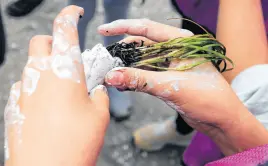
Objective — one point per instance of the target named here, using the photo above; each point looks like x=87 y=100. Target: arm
x=241 y=29
x=241 y=133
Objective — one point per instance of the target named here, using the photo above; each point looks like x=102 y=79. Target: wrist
x=240 y=133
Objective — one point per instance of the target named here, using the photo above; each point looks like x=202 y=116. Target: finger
x=136 y=80
x=143 y=27
x=65 y=34
x=65 y=47
x=140 y=40
x=40 y=45
x=99 y=96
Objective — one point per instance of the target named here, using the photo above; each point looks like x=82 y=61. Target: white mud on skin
x=97 y=63
x=12 y=115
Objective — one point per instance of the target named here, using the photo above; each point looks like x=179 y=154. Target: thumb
x=99 y=96
x=132 y=79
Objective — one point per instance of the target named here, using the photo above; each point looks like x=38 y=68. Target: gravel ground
x=118 y=149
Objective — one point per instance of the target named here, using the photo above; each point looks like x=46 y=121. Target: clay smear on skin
x=178 y=82
x=13 y=116
x=65 y=56
x=30 y=80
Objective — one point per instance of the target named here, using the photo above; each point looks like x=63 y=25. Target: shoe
x=120 y=105
x=154 y=137
x=22 y=7
x=121 y=115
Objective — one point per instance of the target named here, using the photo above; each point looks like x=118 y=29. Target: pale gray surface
x=117 y=149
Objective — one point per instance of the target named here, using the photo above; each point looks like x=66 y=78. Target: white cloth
x=97 y=63
x=251 y=86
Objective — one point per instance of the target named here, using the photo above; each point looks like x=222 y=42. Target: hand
x=190 y=93
x=201 y=95
x=49 y=118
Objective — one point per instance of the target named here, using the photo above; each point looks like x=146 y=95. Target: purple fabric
x=201 y=151
x=206 y=11
x=252 y=157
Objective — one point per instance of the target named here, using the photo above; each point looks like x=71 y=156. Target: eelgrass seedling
x=205 y=48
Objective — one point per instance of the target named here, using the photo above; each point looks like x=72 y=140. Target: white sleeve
x=251 y=86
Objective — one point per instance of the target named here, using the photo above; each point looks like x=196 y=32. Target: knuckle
x=141 y=85
x=35 y=39
x=68 y=8
x=39 y=38
x=144 y=29
x=133 y=39
x=136 y=82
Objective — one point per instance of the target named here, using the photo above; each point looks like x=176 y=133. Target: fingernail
x=81 y=12
x=119 y=69
x=115 y=77
x=186 y=32
x=99 y=87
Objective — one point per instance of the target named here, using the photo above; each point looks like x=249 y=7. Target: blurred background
x=118 y=149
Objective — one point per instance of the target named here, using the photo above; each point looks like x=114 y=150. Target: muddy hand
x=200 y=95
x=143 y=29
x=50 y=119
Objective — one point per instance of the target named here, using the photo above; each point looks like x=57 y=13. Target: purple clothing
x=253 y=157
x=206 y=12
x=202 y=150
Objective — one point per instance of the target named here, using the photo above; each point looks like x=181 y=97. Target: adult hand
x=49 y=118
x=201 y=95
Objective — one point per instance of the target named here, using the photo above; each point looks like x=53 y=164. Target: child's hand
x=189 y=92
x=50 y=119
x=201 y=95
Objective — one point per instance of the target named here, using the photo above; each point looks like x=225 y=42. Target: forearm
x=242 y=133
x=241 y=29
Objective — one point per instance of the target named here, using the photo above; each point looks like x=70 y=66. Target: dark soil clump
x=127 y=52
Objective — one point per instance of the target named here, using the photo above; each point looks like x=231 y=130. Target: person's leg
x=3 y=40
x=155 y=136
x=21 y=8
x=120 y=102
x=89 y=7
